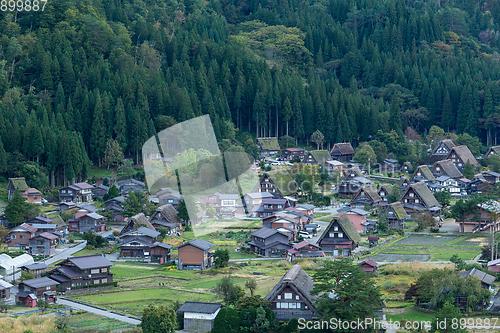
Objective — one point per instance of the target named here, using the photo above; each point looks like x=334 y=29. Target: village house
x=137 y=242
x=268 y=147
x=168 y=196
x=277 y=183
x=78 y=272
x=115 y=205
x=16 y=184
x=66 y=205
x=37 y=269
x=492 y=151
x=269 y=243
x=32 y=195
x=160 y=252
x=268 y=207
x=124 y=186
x=423 y=173
x=366 y=196
x=43 y=227
x=5 y=290
x=369 y=266
x=441 y=151
x=403 y=182
x=388 y=165
x=42 y=287
x=480 y=220
x=395 y=215
x=84 y=209
x=304 y=249
x=357 y=216
x=289 y=154
x=334 y=168
x=306 y=209
x=384 y=191
x=446 y=168
x=77 y=192
x=90 y=222
x=449 y=184
x=99 y=191
x=418 y=198
x=407 y=168
x=254 y=199
x=342 y=152
x=340 y=237
x=460 y=155
x=291 y=296
x=195 y=255
x=494 y=265
x=485 y=278
x=199 y=316
x=135 y=222
x=19 y=236
x=352 y=182
x=43 y=244
x=166 y=216
x=491 y=176
x=317 y=157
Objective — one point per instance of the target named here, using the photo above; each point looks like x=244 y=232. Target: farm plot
x=426 y=240
x=431 y=248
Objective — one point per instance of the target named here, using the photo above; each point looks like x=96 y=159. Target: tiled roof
x=36 y=266
x=94 y=216
x=482 y=276
x=199 y=307
x=47 y=235
x=142 y=230
x=129 y=181
x=369 y=262
x=43 y=225
x=92 y=261
x=27 y=227
x=199 y=243
x=83 y=186
x=40 y=282
x=264 y=232
x=32 y=191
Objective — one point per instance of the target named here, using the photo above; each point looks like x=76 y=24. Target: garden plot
x=391 y=257
x=426 y=240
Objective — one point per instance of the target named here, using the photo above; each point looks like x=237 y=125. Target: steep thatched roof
x=398 y=210
x=465 y=154
x=268 y=143
x=321 y=156
x=345 y=148
x=170 y=213
x=298 y=280
x=448 y=168
x=136 y=221
x=425 y=194
x=284 y=181
x=346 y=225
x=425 y=171
x=19 y=184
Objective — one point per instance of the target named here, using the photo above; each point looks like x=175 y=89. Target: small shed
x=199 y=316
x=369 y=266
x=5 y=289
x=373 y=240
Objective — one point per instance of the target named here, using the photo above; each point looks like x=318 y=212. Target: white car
x=275 y=163
x=305 y=235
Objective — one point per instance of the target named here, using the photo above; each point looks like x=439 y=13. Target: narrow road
x=65 y=254
x=99 y=311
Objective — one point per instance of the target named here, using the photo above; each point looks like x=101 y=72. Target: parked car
x=110 y=237
x=305 y=235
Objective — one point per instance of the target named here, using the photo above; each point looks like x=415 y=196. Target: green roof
x=321 y=156
x=346 y=225
x=268 y=143
x=398 y=210
x=19 y=184
x=284 y=181
x=426 y=172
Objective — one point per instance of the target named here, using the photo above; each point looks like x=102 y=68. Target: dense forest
x=81 y=72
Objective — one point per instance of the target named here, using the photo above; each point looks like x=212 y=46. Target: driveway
x=99 y=311
x=65 y=254
x=449 y=225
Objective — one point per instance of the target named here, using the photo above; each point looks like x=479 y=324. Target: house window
x=417 y=201
x=63 y=191
x=47 y=288
x=438 y=169
x=279 y=296
x=331 y=235
x=335 y=228
x=280 y=206
x=21 y=236
x=288 y=295
x=297 y=297
x=35 y=198
x=13 y=237
x=406 y=200
x=412 y=195
x=340 y=235
x=94 y=271
x=284 y=305
x=104 y=270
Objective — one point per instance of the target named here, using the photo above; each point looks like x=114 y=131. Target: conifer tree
x=98 y=135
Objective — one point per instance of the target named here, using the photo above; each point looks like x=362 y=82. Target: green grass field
x=89 y=322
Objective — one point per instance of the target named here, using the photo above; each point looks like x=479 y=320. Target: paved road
x=65 y=254
x=98 y=311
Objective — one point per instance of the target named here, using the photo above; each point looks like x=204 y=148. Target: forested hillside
x=81 y=72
